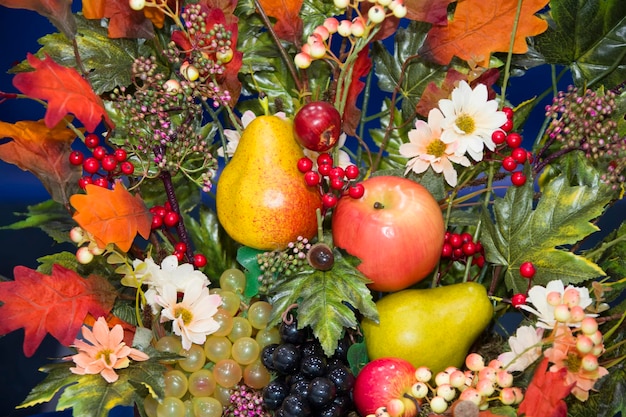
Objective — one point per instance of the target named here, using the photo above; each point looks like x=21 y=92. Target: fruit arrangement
x=329 y=209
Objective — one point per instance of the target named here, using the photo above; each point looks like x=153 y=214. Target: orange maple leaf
x=124 y=22
x=65 y=90
x=431 y=11
x=481 y=27
x=288 y=24
x=112 y=216
x=59 y=12
x=545 y=393
x=56 y=304
x=44 y=152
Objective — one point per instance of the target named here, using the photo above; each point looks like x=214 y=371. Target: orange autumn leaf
x=545 y=393
x=55 y=304
x=288 y=24
x=112 y=216
x=481 y=27
x=44 y=152
x=64 y=90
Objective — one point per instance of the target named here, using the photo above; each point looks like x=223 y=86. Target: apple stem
x=378 y=205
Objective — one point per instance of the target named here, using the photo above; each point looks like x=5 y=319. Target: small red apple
x=317 y=126
x=381 y=381
x=396 y=229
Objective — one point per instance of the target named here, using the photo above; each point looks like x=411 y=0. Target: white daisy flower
x=525 y=349
x=470 y=119
x=426 y=149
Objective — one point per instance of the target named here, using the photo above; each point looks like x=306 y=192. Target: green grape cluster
x=207 y=380
x=282 y=263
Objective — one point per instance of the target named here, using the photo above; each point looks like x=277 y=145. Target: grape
x=311 y=348
x=194 y=358
x=217 y=348
x=300 y=387
x=286 y=358
x=225 y=320
x=230 y=301
x=322 y=392
x=343 y=379
x=313 y=366
x=234 y=280
x=256 y=375
x=294 y=405
x=266 y=356
x=274 y=394
x=259 y=314
x=176 y=384
x=150 y=405
x=222 y=394
x=245 y=350
x=201 y=383
x=289 y=333
x=227 y=373
x=169 y=344
x=241 y=328
x=171 y=407
x=267 y=336
x=206 y=407
x=331 y=410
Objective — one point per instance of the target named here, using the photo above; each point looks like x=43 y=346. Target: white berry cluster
x=318 y=44
x=87 y=247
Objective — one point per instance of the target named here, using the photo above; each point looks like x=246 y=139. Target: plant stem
x=166 y=177
x=509 y=56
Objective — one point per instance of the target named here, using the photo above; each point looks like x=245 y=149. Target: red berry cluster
x=461 y=246
x=332 y=181
x=513 y=141
x=113 y=164
x=526 y=270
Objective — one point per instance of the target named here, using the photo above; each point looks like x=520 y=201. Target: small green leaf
x=357 y=357
x=49 y=216
x=247 y=257
x=65 y=259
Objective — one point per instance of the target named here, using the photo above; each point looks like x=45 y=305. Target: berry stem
x=166 y=177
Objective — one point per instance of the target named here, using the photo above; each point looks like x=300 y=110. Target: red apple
x=396 y=229
x=381 y=381
x=317 y=126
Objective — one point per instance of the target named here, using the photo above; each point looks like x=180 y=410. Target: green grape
x=225 y=320
x=201 y=383
x=188 y=408
x=245 y=350
x=150 y=406
x=217 y=348
x=231 y=302
x=171 y=407
x=169 y=344
x=256 y=375
x=227 y=373
x=194 y=358
x=207 y=407
x=259 y=314
x=175 y=383
x=241 y=328
x=267 y=336
x=234 y=280
x=222 y=394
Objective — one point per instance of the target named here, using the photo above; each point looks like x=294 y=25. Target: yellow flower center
x=436 y=148
x=183 y=313
x=105 y=354
x=465 y=123
x=573 y=362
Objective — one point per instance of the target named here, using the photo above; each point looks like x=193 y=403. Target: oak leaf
x=481 y=27
x=65 y=90
x=59 y=12
x=545 y=393
x=288 y=24
x=44 y=152
x=431 y=11
x=56 y=304
x=112 y=216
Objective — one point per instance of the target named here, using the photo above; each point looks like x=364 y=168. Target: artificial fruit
x=262 y=200
x=438 y=325
x=317 y=126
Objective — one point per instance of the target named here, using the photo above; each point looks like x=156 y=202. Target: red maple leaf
x=65 y=90
x=288 y=24
x=56 y=304
x=545 y=393
x=112 y=216
x=59 y=12
x=351 y=112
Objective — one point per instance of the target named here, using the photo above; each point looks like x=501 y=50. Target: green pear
x=432 y=327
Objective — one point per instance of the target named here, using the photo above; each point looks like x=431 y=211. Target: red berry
x=329 y=200
x=127 y=168
x=109 y=163
x=324 y=169
x=336 y=183
x=529 y=156
x=179 y=255
x=82 y=183
x=120 y=155
x=469 y=248
x=520 y=155
x=514 y=140
x=457 y=253
x=466 y=237
x=171 y=219
x=158 y=211
x=101 y=182
x=446 y=250
x=356 y=190
x=527 y=270
x=518 y=299
x=91 y=165
x=507 y=126
x=199 y=260
x=99 y=152
x=92 y=140
x=455 y=240
x=324 y=159
x=509 y=163
x=478 y=261
x=508 y=111
x=498 y=136
x=180 y=247
x=305 y=164
x=352 y=172
x=312 y=178
x=76 y=158
x=336 y=172
x=157 y=222
x=518 y=179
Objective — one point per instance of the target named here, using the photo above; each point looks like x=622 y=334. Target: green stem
x=596 y=253
x=509 y=56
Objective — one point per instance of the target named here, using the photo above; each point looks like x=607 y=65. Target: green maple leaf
x=326 y=300
x=521 y=233
x=589 y=38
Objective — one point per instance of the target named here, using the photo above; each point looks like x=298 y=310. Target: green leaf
x=357 y=357
x=247 y=257
x=392 y=159
x=522 y=233
x=609 y=400
x=49 y=216
x=313 y=14
x=65 y=259
x=589 y=37
x=327 y=301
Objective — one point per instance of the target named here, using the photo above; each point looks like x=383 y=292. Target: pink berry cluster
x=318 y=44
x=462 y=247
x=102 y=167
x=505 y=138
x=333 y=182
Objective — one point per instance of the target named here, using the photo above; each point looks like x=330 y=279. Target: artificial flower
x=426 y=149
x=544 y=310
x=470 y=119
x=525 y=349
x=192 y=318
x=564 y=354
x=105 y=351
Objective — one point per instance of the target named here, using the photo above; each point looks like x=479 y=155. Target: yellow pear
x=432 y=327
x=262 y=200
